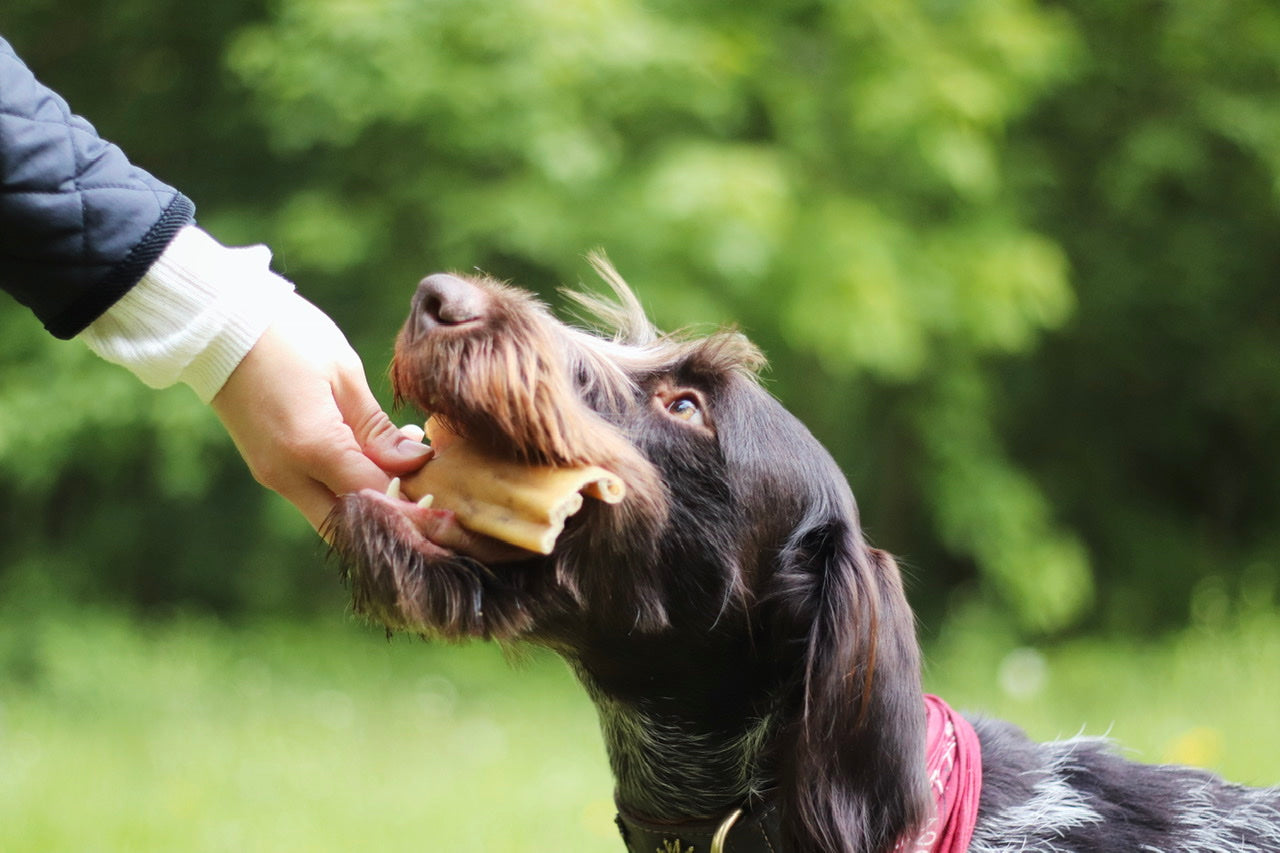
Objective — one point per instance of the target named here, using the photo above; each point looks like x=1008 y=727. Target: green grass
x=192 y=736
x=187 y=734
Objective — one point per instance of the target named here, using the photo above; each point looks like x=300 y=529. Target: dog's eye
x=685 y=408
x=681 y=403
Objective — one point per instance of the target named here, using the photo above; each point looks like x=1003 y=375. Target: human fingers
x=391 y=448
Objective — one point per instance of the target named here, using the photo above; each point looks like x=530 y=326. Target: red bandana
x=954 y=761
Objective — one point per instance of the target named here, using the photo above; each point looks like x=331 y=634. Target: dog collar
x=759 y=832
x=953 y=761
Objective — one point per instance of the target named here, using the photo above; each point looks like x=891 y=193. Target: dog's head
x=737 y=524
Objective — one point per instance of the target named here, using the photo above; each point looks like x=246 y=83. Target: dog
x=752 y=657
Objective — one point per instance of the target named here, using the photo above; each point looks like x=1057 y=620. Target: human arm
x=79 y=223
x=287 y=386
x=100 y=249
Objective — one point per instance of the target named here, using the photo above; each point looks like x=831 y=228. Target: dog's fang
x=393 y=490
x=426 y=500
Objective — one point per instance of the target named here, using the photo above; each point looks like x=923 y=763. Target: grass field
x=186 y=734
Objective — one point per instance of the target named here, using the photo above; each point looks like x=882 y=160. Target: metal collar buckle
x=722 y=831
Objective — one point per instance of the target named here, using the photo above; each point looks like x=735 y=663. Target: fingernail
x=411 y=449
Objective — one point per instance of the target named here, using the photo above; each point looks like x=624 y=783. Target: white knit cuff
x=194 y=316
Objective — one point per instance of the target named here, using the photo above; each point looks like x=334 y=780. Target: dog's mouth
x=473 y=499
x=437 y=532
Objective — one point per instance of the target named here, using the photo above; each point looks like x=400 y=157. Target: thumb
x=379 y=438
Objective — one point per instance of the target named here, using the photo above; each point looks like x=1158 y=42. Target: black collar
x=758 y=832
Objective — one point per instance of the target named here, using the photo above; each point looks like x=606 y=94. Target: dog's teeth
x=426 y=500
x=393 y=490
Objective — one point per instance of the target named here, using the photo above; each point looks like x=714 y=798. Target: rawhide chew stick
x=523 y=505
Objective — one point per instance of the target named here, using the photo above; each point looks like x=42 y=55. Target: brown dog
x=751 y=657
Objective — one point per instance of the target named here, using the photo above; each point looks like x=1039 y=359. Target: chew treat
x=521 y=504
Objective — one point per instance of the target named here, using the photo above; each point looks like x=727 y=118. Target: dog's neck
x=678 y=740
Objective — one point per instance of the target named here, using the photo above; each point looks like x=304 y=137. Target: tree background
x=1013 y=262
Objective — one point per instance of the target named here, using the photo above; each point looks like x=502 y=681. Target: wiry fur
x=740 y=638
x=1079 y=796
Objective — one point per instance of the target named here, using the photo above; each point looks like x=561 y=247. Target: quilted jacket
x=79 y=224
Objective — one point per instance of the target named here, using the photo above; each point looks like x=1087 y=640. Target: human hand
x=299 y=410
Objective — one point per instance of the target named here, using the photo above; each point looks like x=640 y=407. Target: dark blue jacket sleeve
x=79 y=224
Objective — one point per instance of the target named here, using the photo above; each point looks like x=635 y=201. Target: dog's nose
x=446 y=300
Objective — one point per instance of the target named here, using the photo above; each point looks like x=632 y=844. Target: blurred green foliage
x=1012 y=262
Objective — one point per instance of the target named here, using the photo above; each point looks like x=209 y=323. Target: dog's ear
x=851 y=756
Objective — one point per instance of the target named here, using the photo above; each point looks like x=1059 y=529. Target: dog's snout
x=446 y=300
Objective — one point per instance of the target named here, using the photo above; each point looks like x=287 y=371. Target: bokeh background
x=1015 y=263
